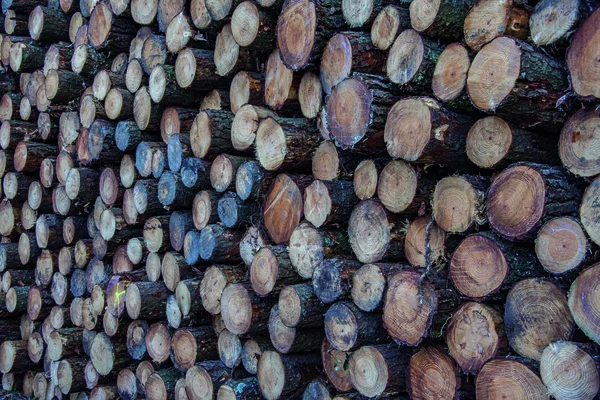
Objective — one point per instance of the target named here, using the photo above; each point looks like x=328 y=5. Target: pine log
x=579 y=55
x=281 y=375
x=524 y=67
x=515 y=376
x=211 y=133
x=548 y=192
x=205 y=208
x=146 y=300
x=295 y=53
x=581 y=305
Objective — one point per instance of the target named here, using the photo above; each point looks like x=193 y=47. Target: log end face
x=405 y=57
x=515 y=201
x=245 y=23
x=582 y=58
x=431 y=373
x=584 y=302
x=450 y=74
x=493 y=73
x=341 y=327
x=271 y=375
x=423 y=13
x=368 y=285
x=236 y=308
x=580 y=142
x=408 y=129
x=348 y=112
x=296 y=28
x=283 y=209
x=368 y=371
x=550 y=22
x=184 y=347
x=385 y=27
x=561 y=245
x=488 y=141
x=264 y=271
x=508 y=378
x=199 y=383
x=369 y=231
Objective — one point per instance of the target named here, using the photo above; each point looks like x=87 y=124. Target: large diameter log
x=523 y=67
x=542 y=191
x=544 y=306
x=431 y=373
x=296 y=28
x=281 y=375
x=583 y=384
x=583 y=302
x=579 y=56
x=375 y=370
x=409 y=306
x=511 y=378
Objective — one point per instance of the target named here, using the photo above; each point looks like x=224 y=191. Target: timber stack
x=299 y=199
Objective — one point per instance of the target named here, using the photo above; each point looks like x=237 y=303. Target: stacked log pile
x=307 y=199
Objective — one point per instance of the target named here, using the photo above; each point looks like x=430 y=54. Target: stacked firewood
x=307 y=199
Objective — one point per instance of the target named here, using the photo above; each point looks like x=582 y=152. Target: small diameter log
x=298 y=19
x=28 y=249
x=369 y=231
x=215 y=279
x=450 y=73
x=39 y=303
x=541 y=191
x=107 y=356
x=104 y=81
x=195 y=67
x=509 y=377
x=233 y=212
x=178 y=148
x=416 y=240
x=205 y=208
x=246 y=88
x=299 y=306
x=270 y=266
x=108 y=31
x=474 y=336
x=561 y=245
x=332 y=279
x=441 y=133
x=161 y=383
x=582 y=301
x=375 y=370
x=458 y=202
x=243 y=311
x=10 y=255
x=477 y=32
x=26 y=57
x=82 y=184
x=345 y=52
x=577 y=143
x=420 y=301
x=118 y=104
x=136 y=339
x=440 y=19
x=110 y=190
x=252 y=181
x=544 y=306
x=134 y=75
x=347 y=327
x=583 y=384
x=412 y=60
x=16 y=25
x=12 y=132
x=164 y=90
x=156 y=230
x=158 y=342
x=218 y=244
x=195 y=173
x=223 y=171
x=234 y=389
x=580 y=54
x=49 y=231
x=144 y=156
x=284 y=198
x=211 y=133
x=389 y=21
x=309 y=95
x=146 y=300
x=523 y=67
x=284 y=143
x=431 y=373
x=203 y=379
x=87 y=61
x=13 y=357
x=252 y=26
x=228 y=57
x=291 y=340
x=174 y=268
x=278 y=82
x=171 y=188
x=281 y=375
x=493 y=143
x=47 y=24
x=64 y=343
x=191 y=344
x=9 y=106
x=179 y=223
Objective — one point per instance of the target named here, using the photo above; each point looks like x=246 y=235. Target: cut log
x=523 y=67
x=46 y=24
x=332 y=279
x=191 y=344
x=583 y=384
x=146 y=300
x=347 y=327
x=369 y=231
x=300 y=307
x=578 y=56
x=284 y=198
x=578 y=141
x=517 y=380
x=582 y=302
x=440 y=19
x=561 y=245
x=431 y=373
x=195 y=67
x=375 y=370
x=542 y=304
x=280 y=375
x=420 y=301
x=296 y=28
x=543 y=191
